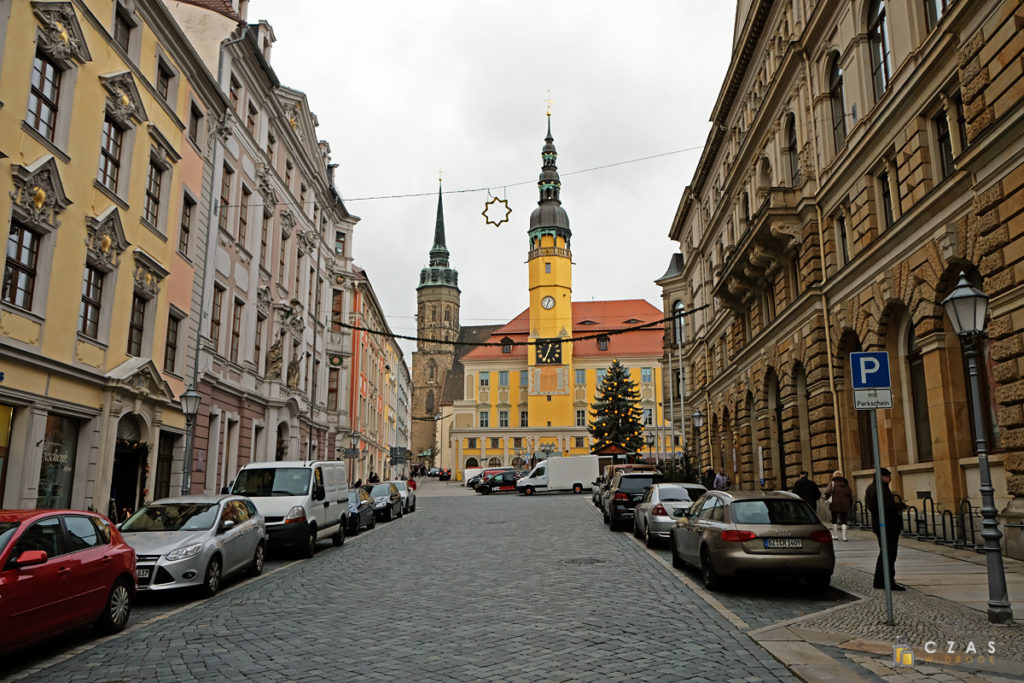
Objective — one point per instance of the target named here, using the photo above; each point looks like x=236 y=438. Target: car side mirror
x=30 y=558
x=227 y=525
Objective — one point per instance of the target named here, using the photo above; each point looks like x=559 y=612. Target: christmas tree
x=616 y=414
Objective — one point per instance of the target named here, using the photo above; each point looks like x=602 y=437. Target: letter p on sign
x=870 y=370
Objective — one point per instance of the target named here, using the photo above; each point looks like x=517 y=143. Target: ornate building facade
x=862 y=155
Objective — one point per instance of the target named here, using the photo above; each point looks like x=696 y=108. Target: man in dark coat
x=806 y=489
x=893 y=526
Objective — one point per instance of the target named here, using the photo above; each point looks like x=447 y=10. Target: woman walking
x=840 y=498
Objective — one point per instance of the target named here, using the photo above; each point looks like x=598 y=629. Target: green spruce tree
x=616 y=414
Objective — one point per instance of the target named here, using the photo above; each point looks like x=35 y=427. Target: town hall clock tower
x=550 y=278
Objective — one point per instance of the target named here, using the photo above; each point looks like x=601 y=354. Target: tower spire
x=549 y=214
x=439 y=272
x=439 y=252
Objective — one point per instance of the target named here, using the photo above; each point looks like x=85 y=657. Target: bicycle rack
x=967 y=517
x=909 y=529
x=928 y=506
x=950 y=538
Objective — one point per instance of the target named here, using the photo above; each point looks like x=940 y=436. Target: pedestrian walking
x=708 y=480
x=411 y=483
x=721 y=482
x=374 y=478
x=840 y=501
x=893 y=526
x=807 y=489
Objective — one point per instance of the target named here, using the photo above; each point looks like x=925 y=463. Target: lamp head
x=698 y=418
x=967 y=308
x=190 y=401
x=353 y=439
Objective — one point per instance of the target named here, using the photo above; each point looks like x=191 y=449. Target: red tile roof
x=588 y=318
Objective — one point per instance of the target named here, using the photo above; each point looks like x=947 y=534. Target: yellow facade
x=82 y=390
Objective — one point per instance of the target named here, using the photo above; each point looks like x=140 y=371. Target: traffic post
x=872 y=389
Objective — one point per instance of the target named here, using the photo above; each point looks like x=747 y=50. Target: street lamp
x=190 y=406
x=698 y=422
x=650 y=446
x=967 y=309
x=547 y=449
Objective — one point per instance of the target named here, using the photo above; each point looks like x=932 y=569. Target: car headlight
x=380 y=503
x=184 y=552
x=295 y=515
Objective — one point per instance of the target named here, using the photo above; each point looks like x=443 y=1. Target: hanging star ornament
x=492 y=212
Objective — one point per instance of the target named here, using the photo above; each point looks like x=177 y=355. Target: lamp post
x=967 y=309
x=352 y=453
x=190 y=406
x=650 y=446
x=698 y=422
x=547 y=449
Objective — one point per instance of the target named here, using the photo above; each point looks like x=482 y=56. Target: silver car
x=408 y=494
x=657 y=512
x=195 y=541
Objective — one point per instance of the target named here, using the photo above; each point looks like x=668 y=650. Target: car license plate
x=142 y=573
x=783 y=543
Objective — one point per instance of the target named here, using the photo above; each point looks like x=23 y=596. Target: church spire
x=439 y=273
x=549 y=214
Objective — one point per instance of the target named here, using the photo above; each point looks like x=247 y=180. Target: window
x=885 y=198
x=578 y=443
x=648 y=416
x=837 y=103
x=110 y=154
x=337 y=299
x=581 y=377
x=258 y=342
x=524 y=378
x=503 y=378
x=185 y=233
x=281 y=265
x=43 y=96
x=92 y=294
x=251 y=118
x=171 y=344
x=506 y=345
x=243 y=214
x=234 y=92
x=678 y=322
x=136 y=325
x=646 y=375
x=484 y=418
x=215 y=316
x=524 y=420
x=163 y=80
x=581 y=418
x=20 y=268
x=503 y=418
x=495 y=443
x=792 y=150
x=332 y=388
x=339 y=242
x=470 y=443
x=881 y=66
x=945 y=144
x=122 y=29
x=271 y=143
x=935 y=10
x=151 y=209
x=843 y=238
x=288 y=174
x=602 y=343
x=485 y=379
x=265 y=238
x=225 y=197
x=547 y=267
x=195 y=118
x=600 y=376
x=919 y=397
x=236 y=330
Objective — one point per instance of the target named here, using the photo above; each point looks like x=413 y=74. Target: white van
x=301 y=502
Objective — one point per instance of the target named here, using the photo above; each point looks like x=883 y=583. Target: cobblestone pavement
x=466 y=589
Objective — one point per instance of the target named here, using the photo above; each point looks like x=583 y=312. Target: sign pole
x=883 y=538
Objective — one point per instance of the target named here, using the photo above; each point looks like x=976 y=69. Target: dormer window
x=602 y=343
x=506 y=345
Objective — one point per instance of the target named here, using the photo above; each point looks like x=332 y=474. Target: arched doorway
x=131 y=464
x=518 y=463
x=281 y=450
x=494 y=462
x=472 y=462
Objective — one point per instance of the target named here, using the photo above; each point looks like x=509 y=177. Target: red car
x=60 y=569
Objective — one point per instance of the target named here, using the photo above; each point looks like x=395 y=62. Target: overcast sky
x=403 y=88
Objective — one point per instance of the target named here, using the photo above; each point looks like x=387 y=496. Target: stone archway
x=472 y=462
x=281 y=448
x=131 y=467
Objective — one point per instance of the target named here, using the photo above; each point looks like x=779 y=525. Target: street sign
x=871 y=399
x=870 y=370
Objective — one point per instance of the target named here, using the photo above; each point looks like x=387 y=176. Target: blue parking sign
x=870 y=369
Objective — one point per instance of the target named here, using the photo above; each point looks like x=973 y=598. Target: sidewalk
x=946 y=603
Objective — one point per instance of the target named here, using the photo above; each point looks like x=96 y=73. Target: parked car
x=500 y=482
x=408 y=495
x=60 y=569
x=481 y=476
x=753 y=534
x=444 y=475
x=196 y=542
x=623 y=495
x=655 y=514
x=601 y=484
x=360 y=511
x=387 y=501
x=433 y=471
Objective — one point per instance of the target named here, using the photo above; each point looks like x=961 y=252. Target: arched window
x=764 y=175
x=837 y=100
x=792 y=150
x=431 y=369
x=881 y=59
x=918 y=397
x=471 y=462
x=746 y=205
x=430 y=403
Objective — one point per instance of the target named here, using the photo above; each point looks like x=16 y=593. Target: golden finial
x=440 y=174
x=549 y=101
x=38 y=197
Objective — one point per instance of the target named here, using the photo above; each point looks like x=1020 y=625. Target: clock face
x=549 y=350
x=548 y=302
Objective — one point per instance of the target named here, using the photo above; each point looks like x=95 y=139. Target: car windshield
x=400 y=485
x=7 y=530
x=776 y=511
x=381 y=490
x=635 y=484
x=272 y=481
x=673 y=494
x=695 y=492
x=173 y=517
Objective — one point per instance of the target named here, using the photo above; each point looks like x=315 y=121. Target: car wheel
x=309 y=550
x=677 y=562
x=607 y=519
x=338 y=539
x=391 y=514
x=401 y=511
x=484 y=490
x=211 y=579
x=528 y=490
x=258 y=561
x=648 y=539
x=373 y=521
x=712 y=581
x=118 y=608
x=636 y=529
x=577 y=489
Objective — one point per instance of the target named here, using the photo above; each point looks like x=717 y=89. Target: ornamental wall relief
x=61 y=36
